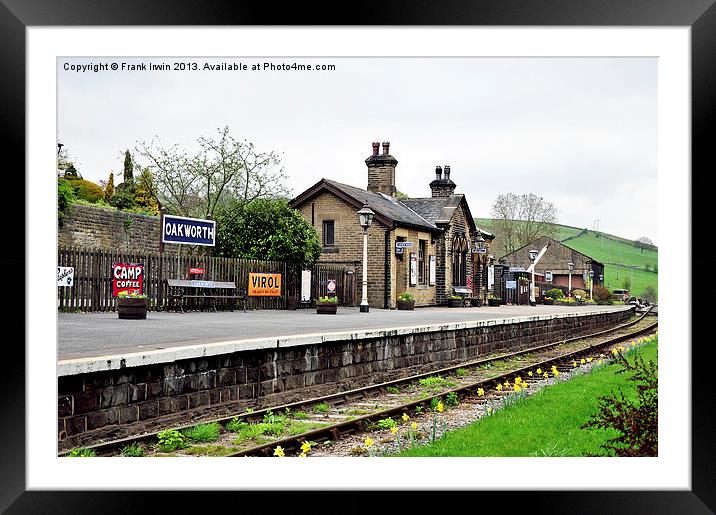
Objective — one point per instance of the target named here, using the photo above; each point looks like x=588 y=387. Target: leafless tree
x=224 y=172
x=521 y=219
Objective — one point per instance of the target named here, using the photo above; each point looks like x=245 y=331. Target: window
x=422 y=272
x=328 y=233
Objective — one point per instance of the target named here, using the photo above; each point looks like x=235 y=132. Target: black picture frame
x=699 y=15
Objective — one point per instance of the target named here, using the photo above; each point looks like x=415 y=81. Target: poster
x=432 y=270
x=413 y=269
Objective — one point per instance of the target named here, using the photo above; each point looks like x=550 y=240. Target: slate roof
x=439 y=210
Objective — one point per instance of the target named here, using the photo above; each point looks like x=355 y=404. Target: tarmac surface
x=94 y=335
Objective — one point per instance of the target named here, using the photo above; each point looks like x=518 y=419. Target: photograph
x=482 y=231
x=360 y=244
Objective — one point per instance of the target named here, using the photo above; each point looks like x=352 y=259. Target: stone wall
x=95 y=227
x=117 y=403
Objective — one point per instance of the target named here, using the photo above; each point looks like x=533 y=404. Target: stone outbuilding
x=554 y=264
x=419 y=245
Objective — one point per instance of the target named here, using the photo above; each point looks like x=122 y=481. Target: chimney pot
x=376 y=146
x=447 y=172
x=438 y=173
x=386 y=147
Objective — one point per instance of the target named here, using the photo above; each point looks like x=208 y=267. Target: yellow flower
x=529 y=373
x=539 y=370
x=368 y=442
x=614 y=351
x=621 y=348
x=278 y=451
x=302 y=455
x=480 y=392
x=589 y=359
x=305 y=447
x=405 y=417
x=546 y=375
x=414 y=425
x=574 y=363
x=499 y=387
x=556 y=373
x=517 y=387
x=394 y=429
x=507 y=384
x=582 y=361
x=440 y=406
x=518 y=380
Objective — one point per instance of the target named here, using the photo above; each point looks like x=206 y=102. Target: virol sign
x=127 y=277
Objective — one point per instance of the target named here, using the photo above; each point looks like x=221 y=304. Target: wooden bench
x=465 y=293
x=181 y=291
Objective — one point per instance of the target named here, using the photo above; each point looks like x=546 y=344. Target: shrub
x=333 y=300
x=123 y=198
x=405 y=296
x=635 y=421
x=87 y=190
x=170 y=440
x=65 y=198
x=601 y=295
x=649 y=294
x=133 y=451
x=580 y=293
x=82 y=452
x=554 y=294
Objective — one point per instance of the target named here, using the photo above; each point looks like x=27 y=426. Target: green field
x=621 y=257
x=543 y=425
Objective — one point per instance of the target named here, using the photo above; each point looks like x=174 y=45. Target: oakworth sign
x=188 y=231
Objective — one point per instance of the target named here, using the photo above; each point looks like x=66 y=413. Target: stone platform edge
x=70 y=367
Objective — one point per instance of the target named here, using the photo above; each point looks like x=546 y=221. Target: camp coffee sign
x=127 y=277
x=188 y=231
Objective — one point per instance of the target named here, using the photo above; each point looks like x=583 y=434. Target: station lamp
x=533 y=257
x=591 y=283
x=365 y=219
x=570 y=265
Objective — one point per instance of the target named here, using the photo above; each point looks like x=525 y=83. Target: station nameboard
x=264 y=285
x=188 y=231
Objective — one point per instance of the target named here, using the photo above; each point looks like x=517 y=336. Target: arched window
x=459 y=260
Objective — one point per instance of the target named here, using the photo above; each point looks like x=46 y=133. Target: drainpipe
x=386 y=287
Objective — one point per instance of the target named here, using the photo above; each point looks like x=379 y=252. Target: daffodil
x=405 y=417
x=556 y=373
x=589 y=359
x=414 y=426
x=621 y=348
x=507 y=384
x=480 y=392
x=305 y=447
x=499 y=387
x=368 y=442
x=278 y=451
x=582 y=361
x=529 y=373
x=546 y=375
x=394 y=429
x=302 y=455
x=518 y=380
x=574 y=363
x=539 y=370
x=614 y=351
x=440 y=406
x=517 y=387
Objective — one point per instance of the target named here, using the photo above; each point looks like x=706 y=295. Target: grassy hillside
x=621 y=257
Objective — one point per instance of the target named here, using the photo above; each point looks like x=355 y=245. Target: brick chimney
x=381 y=170
x=442 y=186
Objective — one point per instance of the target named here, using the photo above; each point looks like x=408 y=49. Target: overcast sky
x=580 y=132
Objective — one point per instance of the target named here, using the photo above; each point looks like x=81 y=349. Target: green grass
x=203 y=432
x=619 y=255
x=546 y=424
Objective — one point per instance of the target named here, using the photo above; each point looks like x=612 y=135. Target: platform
x=90 y=342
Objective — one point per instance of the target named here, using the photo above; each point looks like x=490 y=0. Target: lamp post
x=365 y=218
x=570 y=265
x=591 y=283
x=480 y=248
x=533 y=256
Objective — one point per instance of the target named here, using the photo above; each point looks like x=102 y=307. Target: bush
x=601 y=295
x=554 y=294
x=87 y=190
x=65 y=198
x=649 y=294
x=580 y=293
x=405 y=296
x=123 y=198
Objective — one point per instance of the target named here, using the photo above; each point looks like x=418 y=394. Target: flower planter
x=132 y=309
x=493 y=302
x=455 y=303
x=476 y=303
x=326 y=308
x=547 y=301
x=406 y=305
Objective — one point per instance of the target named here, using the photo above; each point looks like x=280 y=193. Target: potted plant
x=327 y=305
x=476 y=302
x=492 y=300
x=454 y=301
x=406 y=301
x=131 y=306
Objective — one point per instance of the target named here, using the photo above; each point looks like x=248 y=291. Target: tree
x=145 y=193
x=267 y=229
x=109 y=189
x=128 y=168
x=649 y=294
x=644 y=242
x=224 y=173
x=626 y=283
x=521 y=219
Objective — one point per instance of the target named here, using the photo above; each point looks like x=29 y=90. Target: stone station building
x=419 y=245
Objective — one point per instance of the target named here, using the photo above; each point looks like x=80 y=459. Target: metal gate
x=339 y=278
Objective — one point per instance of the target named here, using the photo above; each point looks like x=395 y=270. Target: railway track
x=335 y=416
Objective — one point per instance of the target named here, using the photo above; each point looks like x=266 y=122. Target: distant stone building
x=440 y=228
x=554 y=264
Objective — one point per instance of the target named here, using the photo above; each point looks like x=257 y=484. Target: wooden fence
x=342 y=276
x=92 y=286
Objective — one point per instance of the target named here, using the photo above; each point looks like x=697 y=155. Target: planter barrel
x=406 y=305
x=493 y=302
x=132 y=309
x=455 y=303
x=327 y=308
